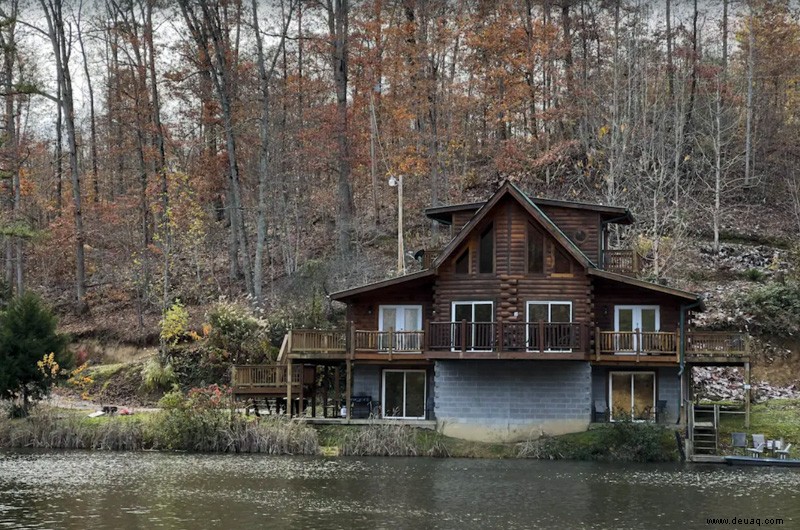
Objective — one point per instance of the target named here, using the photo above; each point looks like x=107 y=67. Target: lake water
x=76 y=489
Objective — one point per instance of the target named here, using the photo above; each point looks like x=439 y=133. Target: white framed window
x=479 y=332
x=404 y=394
x=632 y=395
x=556 y=335
x=405 y=321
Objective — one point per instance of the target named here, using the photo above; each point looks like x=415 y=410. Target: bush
x=774 y=308
x=624 y=441
x=238 y=334
x=754 y=275
x=203 y=420
x=175 y=324
x=157 y=376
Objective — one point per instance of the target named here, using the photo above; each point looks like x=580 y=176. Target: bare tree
x=62 y=48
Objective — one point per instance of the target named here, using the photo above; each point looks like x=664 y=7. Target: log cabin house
x=527 y=322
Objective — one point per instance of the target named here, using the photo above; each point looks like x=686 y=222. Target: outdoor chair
x=759 y=443
x=661 y=409
x=783 y=453
x=739 y=441
x=600 y=411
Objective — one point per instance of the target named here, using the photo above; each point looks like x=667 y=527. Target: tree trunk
x=92 y=119
x=61 y=51
x=338 y=21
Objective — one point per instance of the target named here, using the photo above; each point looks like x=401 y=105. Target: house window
x=404 y=394
x=462 y=263
x=406 y=321
x=473 y=322
x=550 y=327
x=632 y=395
x=486 y=251
x=561 y=261
x=535 y=251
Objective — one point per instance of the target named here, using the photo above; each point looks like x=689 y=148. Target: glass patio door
x=479 y=332
x=632 y=395
x=404 y=394
x=629 y=318
x=400 y=318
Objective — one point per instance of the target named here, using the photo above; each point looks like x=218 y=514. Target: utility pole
x=401 y=260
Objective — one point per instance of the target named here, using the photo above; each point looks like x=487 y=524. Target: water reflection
x=127 y=490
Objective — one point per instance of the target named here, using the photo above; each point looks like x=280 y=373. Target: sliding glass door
x=632 y=395
x=404 y=394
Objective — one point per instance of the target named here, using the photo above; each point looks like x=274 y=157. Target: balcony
x=507 y=340
x=701 y=347
x=637 y=346
x=622 y=261
x=717 y=347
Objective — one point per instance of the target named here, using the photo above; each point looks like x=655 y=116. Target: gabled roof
x=509 y=189
x=613 y=276
x=353 y=291
x=616 y=214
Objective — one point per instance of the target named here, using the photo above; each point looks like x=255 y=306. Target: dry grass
x=53 y=429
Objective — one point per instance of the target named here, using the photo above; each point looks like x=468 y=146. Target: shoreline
x=218 y=432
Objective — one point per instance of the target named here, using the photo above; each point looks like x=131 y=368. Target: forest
x=154 y=151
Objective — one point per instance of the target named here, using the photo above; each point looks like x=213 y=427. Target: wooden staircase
x=704 y=429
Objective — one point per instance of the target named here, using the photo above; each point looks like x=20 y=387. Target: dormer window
x=535 y=251
x=462 y=262
x=486 y=251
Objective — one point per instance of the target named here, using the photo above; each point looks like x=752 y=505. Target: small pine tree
x=32 y=352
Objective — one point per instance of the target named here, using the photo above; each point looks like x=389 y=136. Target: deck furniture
x=783 y=453
x=600 y=411
x=738 y=441
x=759 y=444
x=661 y=409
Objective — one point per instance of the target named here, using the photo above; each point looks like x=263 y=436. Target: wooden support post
x=300 y=409
x=289 y=388
x=314 y=395
x=638 y=338
x=463 y=337
x=541 y=336
x=352 y=339
x=348 y=387
x=391 y=341
x=337 y=392
x=747 y=395
x=500 y=342
x=597 y=345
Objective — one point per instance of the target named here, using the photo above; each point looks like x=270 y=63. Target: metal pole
x=401 y=262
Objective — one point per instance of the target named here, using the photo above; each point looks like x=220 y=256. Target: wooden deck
x=622 y=261
x=514 y=341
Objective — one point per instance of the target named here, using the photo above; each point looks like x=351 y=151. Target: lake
x=76 y=489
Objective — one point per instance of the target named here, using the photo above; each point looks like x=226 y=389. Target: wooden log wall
x=571 y=221
x=609 y=294
x=510 y=287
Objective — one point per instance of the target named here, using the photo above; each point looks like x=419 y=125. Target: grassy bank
x=776 y=419
x=612 y=442
x=164 y=430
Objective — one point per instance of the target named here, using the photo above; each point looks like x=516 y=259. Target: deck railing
x=542 y=337
x=317 y=341
x=262 y=375
x=637 y=342
x=389 y=341
x=716 y=343
x=624 y=261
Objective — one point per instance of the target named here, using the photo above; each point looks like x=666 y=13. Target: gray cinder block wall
x=512 y=400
